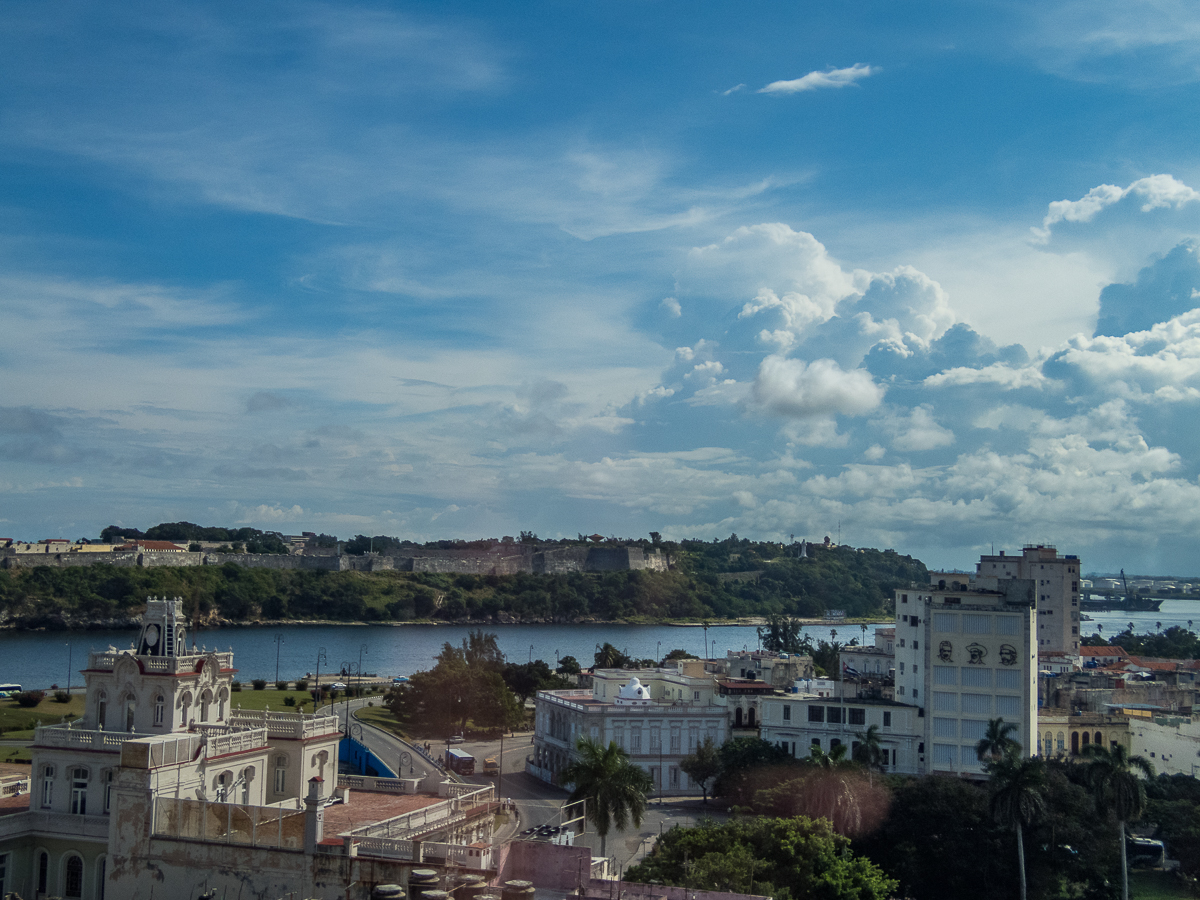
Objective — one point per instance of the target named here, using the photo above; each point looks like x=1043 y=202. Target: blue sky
x=924 y=272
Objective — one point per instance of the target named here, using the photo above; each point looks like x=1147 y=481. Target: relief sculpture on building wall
x=978 y=654
x=946 y=651
x=1008 y=655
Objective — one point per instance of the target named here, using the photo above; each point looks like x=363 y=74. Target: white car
x=338 y=686
x=457 y=739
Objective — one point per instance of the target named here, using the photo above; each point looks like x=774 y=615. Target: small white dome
x=633 y=692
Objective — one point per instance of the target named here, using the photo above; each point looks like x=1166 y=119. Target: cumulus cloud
x=1167 y=287
x=671 y=305
x=998 y=374
x=1155 y=192
x=918 y=430
x=796 y=389
x=830 y=78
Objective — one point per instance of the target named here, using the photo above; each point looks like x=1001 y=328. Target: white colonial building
x=161 y=788
x=657 y=716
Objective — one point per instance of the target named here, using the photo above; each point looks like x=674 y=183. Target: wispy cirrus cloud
x=831 y=78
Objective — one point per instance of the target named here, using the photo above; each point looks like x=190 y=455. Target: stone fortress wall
x=503 y=559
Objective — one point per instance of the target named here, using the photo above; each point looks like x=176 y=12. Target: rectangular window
x=887 y=720
x=915 y=668
x=47 y=787
x=674 y=776
x=901 y=642
x=914 y=693
x=1008 y=679
x=108 y=784
x=945 y=674
x=973 y=729
x=1008 y=625
x=281 y=779
x=695 y=695
x=943 y=701
x=1008 y=707
x=833 y=715
x=904 y=598
x=675 y=739
x=976 y=676
x=635 y=739
x=816 y=714
x=945 y=756
x=711 y=731
x=79 y=784
x=655 y=739
x=975 y=623
x=916 y=645
x=693 y=739
x=945 y=728
x=856 y=716
x=787 y=712
x=945 y=621
x=901 y=668
x=619 y=737
x=977 y=704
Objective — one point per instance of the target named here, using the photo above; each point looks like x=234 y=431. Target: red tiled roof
x=1103 y=651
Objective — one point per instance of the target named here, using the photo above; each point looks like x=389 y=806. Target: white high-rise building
x=965 y=656
x=1056 y=579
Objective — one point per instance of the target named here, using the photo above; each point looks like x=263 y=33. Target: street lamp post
x=361 y=650
x=278 y=645
x=531 y=653
x=714 y=649
x=320 y=656
x=658 y=652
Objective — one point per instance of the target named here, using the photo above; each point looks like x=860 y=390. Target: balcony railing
x=430 y=818
x=65 y=737
x=105 y=660
x=285 y=724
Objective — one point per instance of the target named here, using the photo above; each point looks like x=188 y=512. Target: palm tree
x=1017 y=797
x=615 y=788
x=1112 y=774
x=822 y=760
x=869 y=751
x=996 y=742
x=1131 y=628
x=1157 y=627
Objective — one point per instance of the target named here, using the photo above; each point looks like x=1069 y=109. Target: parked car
x=457 y=739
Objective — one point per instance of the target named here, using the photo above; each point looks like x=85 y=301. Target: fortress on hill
x=502 y=558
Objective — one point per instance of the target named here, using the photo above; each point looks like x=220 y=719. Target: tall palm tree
x=822 y=760
x=1017 y=797
x=996 y=742
x=1112 y=774
x=615 y=788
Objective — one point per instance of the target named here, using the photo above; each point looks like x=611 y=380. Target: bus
x=460 y=762
x=490 y=766
x=9 y=690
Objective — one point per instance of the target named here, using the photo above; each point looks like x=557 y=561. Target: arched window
x=73 y=876
x=280 y=785
x=1060 y=743
x=130 y=705
x=79 y=787
x=1098 y=740
x=247 y=777
x=101 y=874
x=750 y=717
x=222 y=699
x=47 y=787
x=160 y=709
x=102 y=710
x=1074 y=743
x=1049 y=743
x=43 y=877
x=1087 y=738
x=205 y=702
x=221 y=784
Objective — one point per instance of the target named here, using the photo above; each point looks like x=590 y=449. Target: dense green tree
x=1112 y=773
x=703 y=765
x=614 y=788
x=784 y=858
x=747 y=766
x=569 y=665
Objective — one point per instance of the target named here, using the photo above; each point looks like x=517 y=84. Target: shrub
x=30 y=699
x=260 y=684
x=62 y=697
x=302 y=684
x=281 y=685
x=289 y=700
x=370 y=703
x=333 y=695
x=235 y=686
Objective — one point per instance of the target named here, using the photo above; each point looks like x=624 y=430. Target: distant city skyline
x=925 y=274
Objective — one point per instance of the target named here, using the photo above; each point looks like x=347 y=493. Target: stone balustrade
x=66 y=737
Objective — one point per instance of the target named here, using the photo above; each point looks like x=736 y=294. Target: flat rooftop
x=369 y=807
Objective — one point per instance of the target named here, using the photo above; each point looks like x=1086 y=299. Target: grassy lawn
x=15 y=754
x=1145 y=885
x=18 y=723
x=249 y=699
x=380 y=717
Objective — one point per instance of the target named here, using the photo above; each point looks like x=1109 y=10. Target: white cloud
x=917 y=431
x=793 y=388
x=831 y=78
x=997 y=373
x=671 y=305
x=1156 y=192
